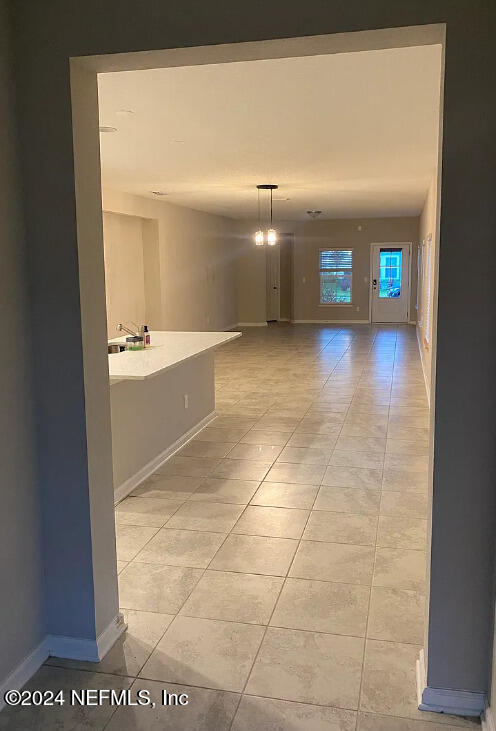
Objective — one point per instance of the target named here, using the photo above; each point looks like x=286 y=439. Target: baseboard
x=79 y=648
x=443 y=700
x=106 y=639
x=132 y=483
x=331 y=322
x=229 y=327
x=23 y=672
x=72 y=648
x=426 y=380
x=251 y=324
x=284 y=319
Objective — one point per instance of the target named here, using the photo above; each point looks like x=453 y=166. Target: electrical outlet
x=358 y=309
x=186 y=400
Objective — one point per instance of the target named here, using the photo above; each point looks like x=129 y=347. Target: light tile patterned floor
x=275 y=568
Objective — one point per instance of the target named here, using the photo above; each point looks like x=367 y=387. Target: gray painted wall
x=21 y=568
x=465 y=399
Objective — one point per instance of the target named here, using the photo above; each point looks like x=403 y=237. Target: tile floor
x=274 y=569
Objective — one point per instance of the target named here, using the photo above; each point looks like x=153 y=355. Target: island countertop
x=166 y=351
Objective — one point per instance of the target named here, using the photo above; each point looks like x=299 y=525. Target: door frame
x=409 y=244
x=268 y=253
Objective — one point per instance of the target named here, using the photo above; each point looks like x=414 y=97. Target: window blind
x=336 y=259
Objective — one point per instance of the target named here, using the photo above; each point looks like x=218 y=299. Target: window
x=390 y=273
x=335 y=268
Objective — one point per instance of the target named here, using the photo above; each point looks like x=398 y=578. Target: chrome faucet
x=122 y=327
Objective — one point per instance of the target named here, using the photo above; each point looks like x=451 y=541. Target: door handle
x=374 y=283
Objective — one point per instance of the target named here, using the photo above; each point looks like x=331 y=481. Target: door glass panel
x=390 y=262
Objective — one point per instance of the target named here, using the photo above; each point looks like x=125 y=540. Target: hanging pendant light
x=259 y=237
x=271 y=232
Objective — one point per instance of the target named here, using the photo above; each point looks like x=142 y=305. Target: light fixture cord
x=258 y=191
x=271 y=207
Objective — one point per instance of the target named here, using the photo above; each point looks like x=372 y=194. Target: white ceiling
x=352 y=134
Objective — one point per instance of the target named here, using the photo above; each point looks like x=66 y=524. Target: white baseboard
x=72 y=648
x=251 y=324
x=443 y=700
x=284 y=319
x=106 y=639
x=426 y=380
x=132 y=483
x=331 y=322
x=24 y=671
x=82 y=648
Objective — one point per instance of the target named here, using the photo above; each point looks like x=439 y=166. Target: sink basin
x=116 y=348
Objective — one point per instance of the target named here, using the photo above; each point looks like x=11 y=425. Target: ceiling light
x=314 y=214
x=104 y=128
x=271 y=232
x=158 y=192
x=125 y=112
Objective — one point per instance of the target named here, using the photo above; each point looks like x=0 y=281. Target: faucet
x=122 y=327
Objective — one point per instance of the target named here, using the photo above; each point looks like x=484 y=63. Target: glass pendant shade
x=271 y=237
x=259 y=238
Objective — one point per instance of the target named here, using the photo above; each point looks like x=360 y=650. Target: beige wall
x=286 y=277
x=196 y=259
x=251 y=292
x=308 y=238
x=311 y=236
x=124 y=270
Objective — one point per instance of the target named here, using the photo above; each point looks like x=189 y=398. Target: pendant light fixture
x=271 y=232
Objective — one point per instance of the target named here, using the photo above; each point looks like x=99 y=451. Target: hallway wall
x=124 y=270
x=308 y=238
x=357 y=234
x=21 y=568
x=196 y=262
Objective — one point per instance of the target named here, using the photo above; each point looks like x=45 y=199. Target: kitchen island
x=159 y=399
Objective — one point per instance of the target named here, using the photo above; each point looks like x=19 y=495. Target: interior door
x=273 y=276
x=390 y=282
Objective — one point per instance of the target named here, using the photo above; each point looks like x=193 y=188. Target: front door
x=390 y=282
x=273 y=273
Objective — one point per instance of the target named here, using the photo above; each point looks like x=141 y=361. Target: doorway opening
x=284 y=282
